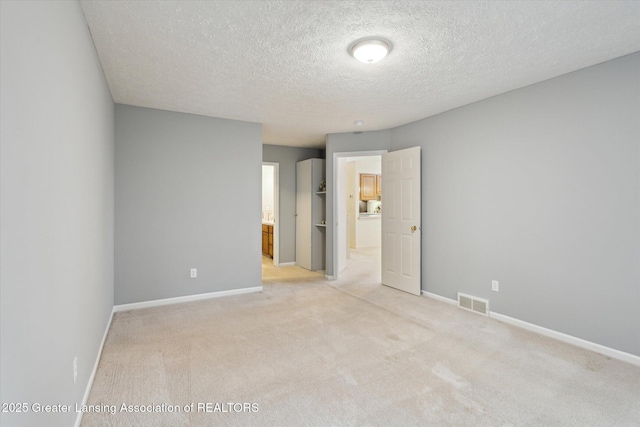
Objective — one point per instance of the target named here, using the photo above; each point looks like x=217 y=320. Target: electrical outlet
x=194 y=273
x=495 y=285
x=75 y=369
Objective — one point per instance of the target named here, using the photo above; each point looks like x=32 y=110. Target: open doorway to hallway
x=359 y=209
x=270 y=202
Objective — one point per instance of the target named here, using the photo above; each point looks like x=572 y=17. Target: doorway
x=270 y=217
x=401 y=229
x=357 y=234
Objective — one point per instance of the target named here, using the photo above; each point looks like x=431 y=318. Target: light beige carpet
x=309 y=352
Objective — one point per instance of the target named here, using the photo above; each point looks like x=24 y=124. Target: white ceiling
x=285 y=63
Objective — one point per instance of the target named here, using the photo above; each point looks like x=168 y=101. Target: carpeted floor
x=307 y=352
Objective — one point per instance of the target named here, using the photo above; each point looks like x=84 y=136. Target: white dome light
x=370 y=51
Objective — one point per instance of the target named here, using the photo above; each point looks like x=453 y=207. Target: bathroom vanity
x=267 y=239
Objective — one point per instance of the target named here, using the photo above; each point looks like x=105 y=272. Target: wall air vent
x=475 y=304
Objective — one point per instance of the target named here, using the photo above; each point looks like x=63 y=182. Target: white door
x=401 y=213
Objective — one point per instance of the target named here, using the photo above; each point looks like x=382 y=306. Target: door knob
x=414 y=228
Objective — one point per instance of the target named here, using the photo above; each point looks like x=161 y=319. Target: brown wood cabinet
x=367 y=186
x=370 y=186
x=267 y=240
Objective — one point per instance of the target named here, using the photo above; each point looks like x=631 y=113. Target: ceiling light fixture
x=370 y=50
x=359 y=122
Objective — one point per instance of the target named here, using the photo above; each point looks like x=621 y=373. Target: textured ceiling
x=285 y=63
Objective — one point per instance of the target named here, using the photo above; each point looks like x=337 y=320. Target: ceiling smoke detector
x=370 y=50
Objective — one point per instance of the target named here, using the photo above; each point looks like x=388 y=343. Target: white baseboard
x=579 y=342
x=187 y=298
x=327 y=277
x=287 y=264
x=95 y=369
x=569 y=339
x=439 y=298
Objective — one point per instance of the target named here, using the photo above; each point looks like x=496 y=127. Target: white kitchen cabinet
x=310 y=215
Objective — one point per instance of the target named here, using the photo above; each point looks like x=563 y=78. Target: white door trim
x=334 y=198
x=276 y=211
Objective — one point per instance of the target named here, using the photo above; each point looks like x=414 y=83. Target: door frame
x=334 y=197
x=276 y=211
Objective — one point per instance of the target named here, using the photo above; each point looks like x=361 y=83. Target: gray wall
x=56 y=193
x=287 y=157
x=539 y=188
x=345 y=143
x=188 y=195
